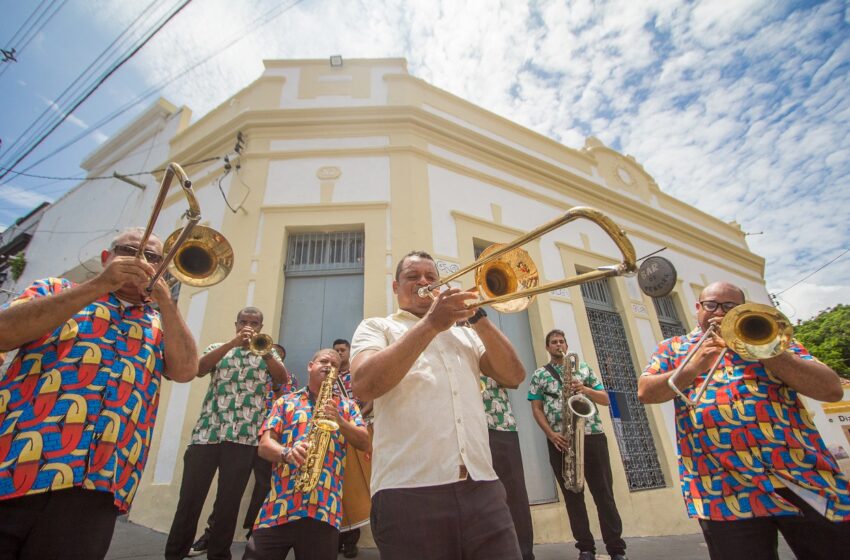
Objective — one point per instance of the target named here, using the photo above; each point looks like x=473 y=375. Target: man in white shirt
x=434 y=491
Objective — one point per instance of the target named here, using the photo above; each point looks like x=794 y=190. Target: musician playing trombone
x=226 y=435
x=78 y=403
x=546 y=393
x=751 y=461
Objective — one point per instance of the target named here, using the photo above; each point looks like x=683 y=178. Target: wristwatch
x=477 y=317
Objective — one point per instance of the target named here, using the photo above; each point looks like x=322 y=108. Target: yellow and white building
x=345 y=169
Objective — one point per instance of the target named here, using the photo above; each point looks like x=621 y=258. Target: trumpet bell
x=204 y=259
x=260 y=344
x=756 y=331
x=510 y=273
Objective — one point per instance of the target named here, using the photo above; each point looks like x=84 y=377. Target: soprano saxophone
x=318 y=438
x=575 y=410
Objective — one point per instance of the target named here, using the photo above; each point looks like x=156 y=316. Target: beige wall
x=376 y=150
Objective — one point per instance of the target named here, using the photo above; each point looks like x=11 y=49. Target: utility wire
x=256 y=24
x=105 y=176
x=96 y=86
x=81 y=83
x=812 y=273
x=29 y=35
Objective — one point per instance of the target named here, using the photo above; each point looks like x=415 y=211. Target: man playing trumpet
x=225 y=437
x=751 y=461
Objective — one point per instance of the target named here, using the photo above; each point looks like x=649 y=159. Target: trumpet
x=260 y=344
x=507 y=278
x=194 y=255
x=753 y=330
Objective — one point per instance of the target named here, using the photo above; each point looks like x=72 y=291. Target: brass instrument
x=260 y=344
x=575 y=410
x=507 y=278
x=318 y=437
x=754 y=331
x=195 y=255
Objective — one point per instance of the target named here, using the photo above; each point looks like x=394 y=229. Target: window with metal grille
x=631 y=427
x=668 y=317
x=338 y=252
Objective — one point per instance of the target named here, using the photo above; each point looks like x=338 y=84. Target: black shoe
x=586 y=555
x=349 y=550
x=200 y=546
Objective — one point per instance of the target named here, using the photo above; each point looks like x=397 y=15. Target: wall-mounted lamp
x=336 y=60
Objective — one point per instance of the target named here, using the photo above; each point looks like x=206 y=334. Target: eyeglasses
x=130 y=251
x=711 y=306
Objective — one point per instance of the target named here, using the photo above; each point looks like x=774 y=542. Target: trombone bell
x=756 y=331
x=513 y=272
x=205 y=257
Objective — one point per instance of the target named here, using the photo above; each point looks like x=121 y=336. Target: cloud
x=738 y=108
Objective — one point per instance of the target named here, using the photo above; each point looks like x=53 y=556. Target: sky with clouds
x=737 y=107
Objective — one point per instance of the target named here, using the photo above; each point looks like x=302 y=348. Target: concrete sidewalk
x=134 y=542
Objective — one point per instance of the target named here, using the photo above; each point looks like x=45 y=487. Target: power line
x=19 y=173
x=258 y=23
x=31 y=32
x=96 y=86
x=813 y=273
x=77 y=87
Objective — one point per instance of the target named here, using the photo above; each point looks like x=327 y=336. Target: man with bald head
x=78 y=403
x=751 y=461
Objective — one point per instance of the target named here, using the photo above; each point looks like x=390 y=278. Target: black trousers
x=233 y=461
x=311 y=539
x=507 y=462
x=349 y=538
x=598 y=478
x=262 y=484
x=72 y=524
x=811 y=536
x=465 y=520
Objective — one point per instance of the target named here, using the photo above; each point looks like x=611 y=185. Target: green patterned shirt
x=235 y=404
x=545 y=387
x=497 y=407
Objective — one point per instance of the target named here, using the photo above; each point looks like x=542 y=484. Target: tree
x=827 y=337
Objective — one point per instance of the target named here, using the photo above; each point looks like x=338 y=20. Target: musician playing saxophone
x=306 y=521
x=544 y=392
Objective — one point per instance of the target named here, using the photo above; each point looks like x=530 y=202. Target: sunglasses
x=711 y=306
x=130 y=251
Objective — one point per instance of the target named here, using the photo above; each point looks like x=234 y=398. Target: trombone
x=194 y=255
x=754 y=331
x=507 y=279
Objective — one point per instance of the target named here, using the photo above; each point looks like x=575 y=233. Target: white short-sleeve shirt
x=433 y=421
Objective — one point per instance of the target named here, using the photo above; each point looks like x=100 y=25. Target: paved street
x=133 y=542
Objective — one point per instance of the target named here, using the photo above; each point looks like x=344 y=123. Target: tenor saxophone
x=318 y=437
x=575 y=410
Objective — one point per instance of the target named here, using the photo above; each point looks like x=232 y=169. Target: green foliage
x=17 y=264
x=827 y=337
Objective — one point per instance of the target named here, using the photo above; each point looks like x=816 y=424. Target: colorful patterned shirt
x=78 y=405
x=750 y=433
x=544 y=387
x=497 y=407
x=290 y=418
x=234 y=406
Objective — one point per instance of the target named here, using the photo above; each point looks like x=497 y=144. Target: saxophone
x=318 y=437
x=575 y=410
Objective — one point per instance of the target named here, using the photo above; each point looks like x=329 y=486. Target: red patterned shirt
x=78 y=405
x=290 y=418
x=748 y=437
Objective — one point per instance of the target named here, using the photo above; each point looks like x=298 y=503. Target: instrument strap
x=554 y=373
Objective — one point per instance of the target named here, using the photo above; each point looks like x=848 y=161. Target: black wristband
x=477 y=317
